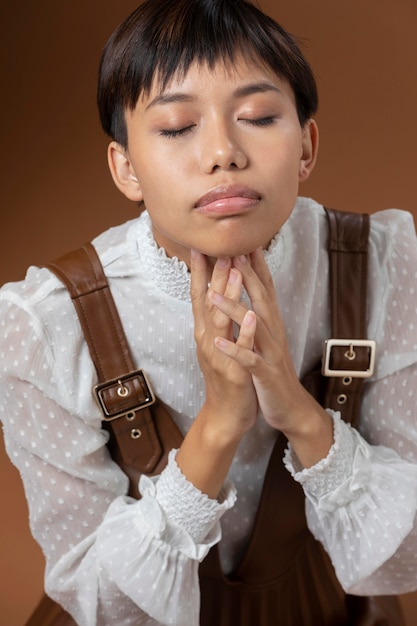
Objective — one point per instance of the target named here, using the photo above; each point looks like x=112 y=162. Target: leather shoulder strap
x=348 y=259
x=82 y=273
x=348 y=360
x=123 y=392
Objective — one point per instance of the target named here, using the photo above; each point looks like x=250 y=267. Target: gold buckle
x=124 y=395
x=350 y=355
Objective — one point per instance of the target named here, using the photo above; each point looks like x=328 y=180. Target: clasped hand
x=253 y=370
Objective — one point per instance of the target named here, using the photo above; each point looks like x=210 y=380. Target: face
x=217 y=158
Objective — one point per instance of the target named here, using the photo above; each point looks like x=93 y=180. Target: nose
x=221 y=149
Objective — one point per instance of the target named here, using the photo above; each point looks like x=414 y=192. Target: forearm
x=207 y=453
x=310 y=433
x=230 y=408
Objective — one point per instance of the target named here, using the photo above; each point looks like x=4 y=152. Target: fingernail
x=242 y=259
x=220 y=342
x=222 y=262
x=232 y=277
x=214 y=296
x=250 y=318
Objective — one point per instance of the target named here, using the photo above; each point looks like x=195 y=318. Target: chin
x=234 y=249
x=229 y=251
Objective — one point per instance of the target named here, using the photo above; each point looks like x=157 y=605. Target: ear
x=123 y=173
x=310 y=146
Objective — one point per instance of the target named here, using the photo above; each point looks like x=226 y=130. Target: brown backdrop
x=56 y=192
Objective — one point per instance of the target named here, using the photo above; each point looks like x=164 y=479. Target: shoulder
x=393 y=251
x=42 y=289
x=392 y=244
x=389 y=229
x=40 y=304
x=392 y=231
x=393 y=220
x=41 y=341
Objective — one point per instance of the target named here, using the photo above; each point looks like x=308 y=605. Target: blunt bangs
x=162 y=38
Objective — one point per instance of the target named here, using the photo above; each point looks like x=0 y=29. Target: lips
x=227 y=200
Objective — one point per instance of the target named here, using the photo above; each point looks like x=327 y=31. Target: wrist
x=207 y=452
x=311 y=436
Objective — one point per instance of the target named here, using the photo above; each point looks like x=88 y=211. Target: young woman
x=221 y=284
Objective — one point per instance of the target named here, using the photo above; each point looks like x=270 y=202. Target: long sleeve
x=110 y=559
x=113 y=560
x=361 y=501
x=361 y=504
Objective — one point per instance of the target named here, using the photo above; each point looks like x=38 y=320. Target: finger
x=234 y=285
x=256 y=274
x=270 y=332
x=261 y=269
x=232 y=309
x=259 y=285
x=220 y=275
x=241 y=351
x=246 y=338
x=223 y=280
x=199 y=286
x=222 y=322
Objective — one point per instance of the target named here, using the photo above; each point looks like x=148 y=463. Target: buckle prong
x=350 y=354
x=122 y=391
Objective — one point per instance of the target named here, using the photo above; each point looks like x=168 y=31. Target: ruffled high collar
x=169 y=273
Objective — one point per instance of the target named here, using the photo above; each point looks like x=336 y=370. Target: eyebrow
x=240 y=92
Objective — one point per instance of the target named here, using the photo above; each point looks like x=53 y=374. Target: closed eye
x=262 y=121
x=177 y=132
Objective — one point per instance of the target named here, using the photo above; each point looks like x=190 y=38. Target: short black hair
x=164 y=37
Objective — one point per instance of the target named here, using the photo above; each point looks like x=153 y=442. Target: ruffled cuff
x=141 y=555
x=151 y=548
x=341 y=475
x=184 y=506
x=361 y=504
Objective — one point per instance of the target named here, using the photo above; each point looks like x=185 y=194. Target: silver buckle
x=124 y=395
x=350 y=354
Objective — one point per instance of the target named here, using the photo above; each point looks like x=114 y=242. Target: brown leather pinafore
x=285 y=577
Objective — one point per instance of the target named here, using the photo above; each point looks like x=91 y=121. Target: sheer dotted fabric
x=113 y=560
